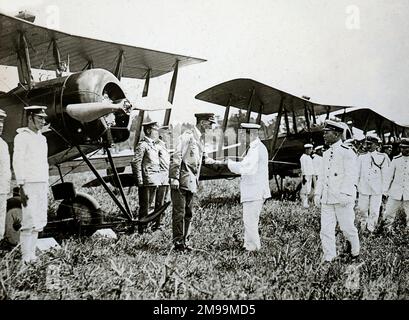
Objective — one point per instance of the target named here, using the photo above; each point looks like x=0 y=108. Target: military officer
x=307 y=172
x=146 y=169
x=5 y=175
x=30 y=164
x=185 y=165
x=254 y=185
x=163 y=187
x=337 y=190
x=372 y=171
x=398 y=185
x=317 y=163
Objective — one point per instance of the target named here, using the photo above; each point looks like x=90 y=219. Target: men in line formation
x=30 y=164
x=343 y=175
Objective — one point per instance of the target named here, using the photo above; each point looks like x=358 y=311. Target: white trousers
x=392 y=207
x=251 y=216
x=369 y=207
x=34 y=218
x=28 y=241
x=35 y=214
x=3 y=207
x=330 y=214
x=305 y=191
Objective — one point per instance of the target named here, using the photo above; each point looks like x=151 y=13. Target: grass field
x=146 y=267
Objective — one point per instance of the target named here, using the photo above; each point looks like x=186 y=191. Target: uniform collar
x=336 y=144
x=149 y=140
x=254 y=142
x=28 y=130
x=198 y=133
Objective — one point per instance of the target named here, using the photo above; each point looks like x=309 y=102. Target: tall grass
x=146 y=267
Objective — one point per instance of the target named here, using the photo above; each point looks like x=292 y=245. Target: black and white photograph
x=217 y=153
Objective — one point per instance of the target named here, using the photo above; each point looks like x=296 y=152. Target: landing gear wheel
x=84 y=209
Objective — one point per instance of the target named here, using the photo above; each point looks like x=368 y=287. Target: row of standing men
x=340 y=175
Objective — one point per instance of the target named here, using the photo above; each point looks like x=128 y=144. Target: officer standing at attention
x=317 y=163
x=185 y=165
x=145 y=168
x=30 y=164
x=337 y=191
x=254 y=185
x=163 y=187
x=398 y=186
x=5 y=176
x=372 y=171
x=307 y=172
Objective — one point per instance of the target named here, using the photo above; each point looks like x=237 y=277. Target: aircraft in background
x=87 y=109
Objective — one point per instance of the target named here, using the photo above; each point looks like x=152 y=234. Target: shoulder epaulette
x=346 y=147
x=398 y=156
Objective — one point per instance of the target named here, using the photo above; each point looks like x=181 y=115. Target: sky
x=353 y=53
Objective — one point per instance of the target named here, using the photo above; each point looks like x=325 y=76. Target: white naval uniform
x=5 y=177
x=317 y=163
x=398 y=190
x=307 y=170
x=254 y=189
x=337 y=191
x=30 y=166
x=372 y=175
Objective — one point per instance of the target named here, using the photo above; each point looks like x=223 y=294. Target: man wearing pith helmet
x=146 y=170
x=5 y=175
x=30 y=164
x=398 y=186
x=372 y=171
x=254 y=186
x=337 y=190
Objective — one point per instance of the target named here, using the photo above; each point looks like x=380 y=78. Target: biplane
x=296 y=120
x=87 y=109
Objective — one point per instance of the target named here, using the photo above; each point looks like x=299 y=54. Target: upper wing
x=266 y=99
x=82 y=51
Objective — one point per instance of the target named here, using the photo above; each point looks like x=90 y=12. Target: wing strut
x=146 y=86
x=277 y=124
x=173 y=83
x=24 y=65
x=287 y=122
x=119 y=66
x=307 y=116
x=224 y=125
x=118 y=181
x=295 y=123
x=253 y=92
x=258 y=121
x=101 y=180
